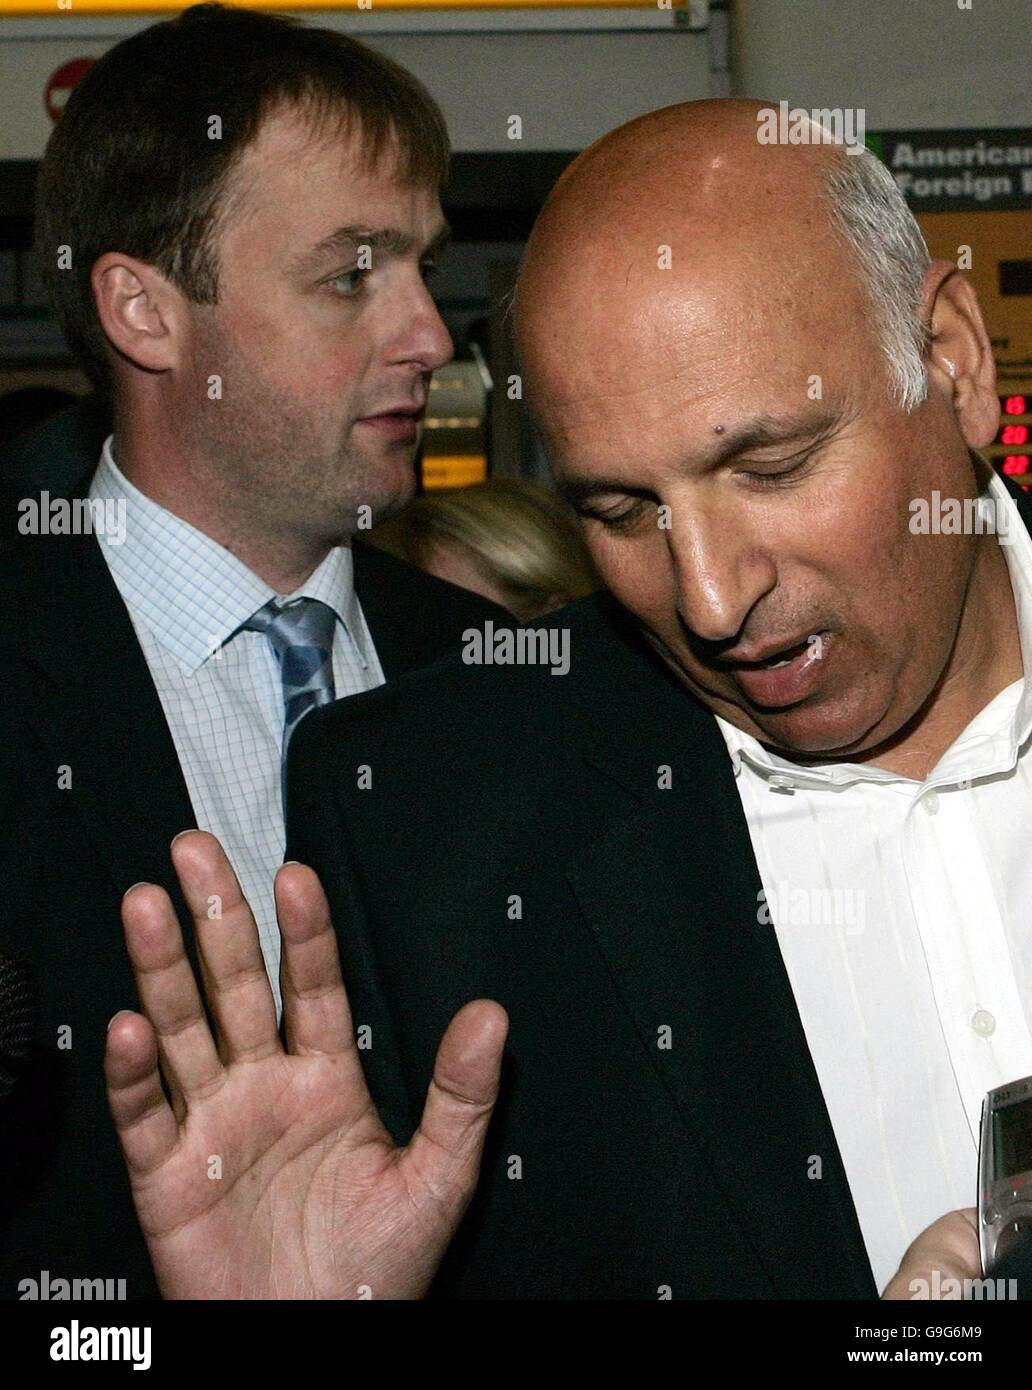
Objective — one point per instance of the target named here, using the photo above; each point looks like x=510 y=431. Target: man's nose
x=426 y=340
x=720 y=574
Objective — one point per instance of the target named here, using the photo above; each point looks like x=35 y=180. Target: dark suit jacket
x=77 y=693
x=702 y=1159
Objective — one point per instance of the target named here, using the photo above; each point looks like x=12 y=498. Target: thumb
x=443 y=1155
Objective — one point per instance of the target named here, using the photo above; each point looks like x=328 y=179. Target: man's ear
x=960 y=357
x=139 y=310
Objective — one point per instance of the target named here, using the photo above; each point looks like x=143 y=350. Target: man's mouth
x=771 y=660
x=399 y=423
x=415 y=411
x=775 y=677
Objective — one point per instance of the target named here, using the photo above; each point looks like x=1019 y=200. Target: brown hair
x=131 y=165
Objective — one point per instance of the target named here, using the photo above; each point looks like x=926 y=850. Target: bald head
x=699 y=151
x=745 y=369
x=683 y=207
x=682 y=159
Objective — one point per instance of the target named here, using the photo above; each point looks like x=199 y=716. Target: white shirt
x=220 y=689
x=913 y=984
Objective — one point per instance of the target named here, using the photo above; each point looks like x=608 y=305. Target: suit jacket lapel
x=93 y=703
x=671 y=895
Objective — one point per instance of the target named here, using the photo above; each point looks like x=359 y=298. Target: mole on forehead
x=718 y=429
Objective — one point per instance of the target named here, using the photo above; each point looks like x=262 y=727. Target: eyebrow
x=761 y=432
x=386 y=239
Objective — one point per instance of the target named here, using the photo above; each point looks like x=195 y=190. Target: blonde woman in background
x=509 y=540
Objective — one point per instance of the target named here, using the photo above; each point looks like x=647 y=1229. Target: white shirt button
x=779 y=782
x=983 y=1023
x=930 y=802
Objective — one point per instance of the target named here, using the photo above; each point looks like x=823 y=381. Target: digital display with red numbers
x=1010 y=452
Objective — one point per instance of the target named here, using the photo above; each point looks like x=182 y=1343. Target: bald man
x=749 y=880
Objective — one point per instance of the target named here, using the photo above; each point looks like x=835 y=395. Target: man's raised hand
x=271 y=1174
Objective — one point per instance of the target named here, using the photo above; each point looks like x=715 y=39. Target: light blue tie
x=301 y=636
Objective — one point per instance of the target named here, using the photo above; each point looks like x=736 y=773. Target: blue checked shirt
x=221 y=692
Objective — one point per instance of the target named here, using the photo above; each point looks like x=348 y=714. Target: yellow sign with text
x=56 y=8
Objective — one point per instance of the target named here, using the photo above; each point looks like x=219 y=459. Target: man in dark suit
x=176 y=591
x=800 y=697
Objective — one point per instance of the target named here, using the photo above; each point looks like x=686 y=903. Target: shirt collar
x=992 y=740
x=192 y=593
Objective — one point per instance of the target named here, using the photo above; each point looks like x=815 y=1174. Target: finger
x=235 y=980
x=168 y=992
x=147 y=1128
x=444 y=1153
x=315 y=1004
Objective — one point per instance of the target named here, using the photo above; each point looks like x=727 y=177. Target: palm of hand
x=274 y=1176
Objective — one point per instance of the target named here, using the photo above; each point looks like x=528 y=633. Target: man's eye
x=619 y=520
x=349 y=282
x=782 y=475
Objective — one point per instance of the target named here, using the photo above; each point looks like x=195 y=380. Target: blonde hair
x=519 y=534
